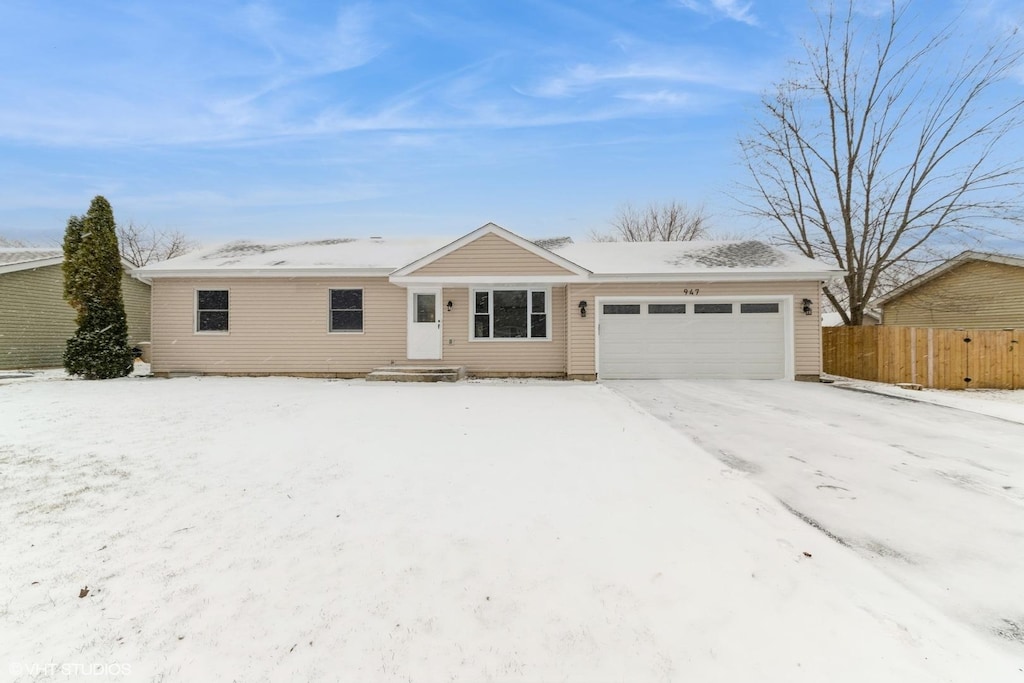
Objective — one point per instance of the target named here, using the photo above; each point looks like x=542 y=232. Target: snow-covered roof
x=344 y=254
x=384 y=256
x=696 y=257
x=27 y=258
x=24 y=258
x=831 y=319
x=835 y=319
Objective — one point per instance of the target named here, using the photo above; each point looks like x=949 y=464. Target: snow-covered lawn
x=284 y=529
x=1002 y=403
x=930 y=490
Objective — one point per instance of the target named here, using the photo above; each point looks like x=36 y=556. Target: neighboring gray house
x=35 y=321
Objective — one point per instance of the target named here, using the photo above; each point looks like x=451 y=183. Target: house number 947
x=691 y=292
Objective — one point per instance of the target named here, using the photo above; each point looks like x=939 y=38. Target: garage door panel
x=693 y=345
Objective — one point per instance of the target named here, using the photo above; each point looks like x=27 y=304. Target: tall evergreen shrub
x=92 y=285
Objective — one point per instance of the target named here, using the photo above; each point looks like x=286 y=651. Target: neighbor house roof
x=952 y=263
x=380 y=256
x=26 y=258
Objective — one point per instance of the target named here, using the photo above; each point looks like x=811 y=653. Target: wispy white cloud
x=298 y=51
x=729 y=9
x=659 y=98
x=678 y=70
x=264 y=73
x=201 y=77
x=1002 y=21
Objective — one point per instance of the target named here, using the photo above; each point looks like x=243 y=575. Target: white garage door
x=693 y=340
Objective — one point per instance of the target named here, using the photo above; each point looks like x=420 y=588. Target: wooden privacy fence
x=935 y=358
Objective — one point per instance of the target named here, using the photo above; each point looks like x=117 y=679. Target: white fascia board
x=144 y=274
x=467 y=280
x=774 y=276
x=31 y=265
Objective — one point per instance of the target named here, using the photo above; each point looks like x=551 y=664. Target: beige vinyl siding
x=36 y=321
x=491 y=255
x=276 y=326
x=280 y=326
x=974 y=295
x=496 y=357
x=806 y=337
x=136 y=308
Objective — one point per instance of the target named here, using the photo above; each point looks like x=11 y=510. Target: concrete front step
x=400 y=373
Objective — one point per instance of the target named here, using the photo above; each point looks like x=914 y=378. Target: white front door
x=424 y=338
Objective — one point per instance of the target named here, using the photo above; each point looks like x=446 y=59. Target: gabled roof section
x=562 y=263
x=958 y=260
x=26 y=258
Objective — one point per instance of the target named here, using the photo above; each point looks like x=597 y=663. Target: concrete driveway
x=934 y=496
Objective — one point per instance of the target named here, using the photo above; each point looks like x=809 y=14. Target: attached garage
x=721 y=338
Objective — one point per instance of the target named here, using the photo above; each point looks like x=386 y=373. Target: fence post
x=967 y=361
x=931 y=357
x=913 y=355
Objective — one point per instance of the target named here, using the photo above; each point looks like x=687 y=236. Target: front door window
x=426 y=309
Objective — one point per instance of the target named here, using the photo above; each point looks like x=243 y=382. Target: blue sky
x=228 y=119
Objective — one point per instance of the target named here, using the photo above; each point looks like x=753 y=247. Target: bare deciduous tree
x=883 y=143
x=141 y=244
x=671 y=222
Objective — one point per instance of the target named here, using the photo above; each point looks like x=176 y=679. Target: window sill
x=515 y=340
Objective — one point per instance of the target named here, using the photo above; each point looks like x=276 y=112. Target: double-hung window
x=346 y=310
x=510 y=314
x=211 y=310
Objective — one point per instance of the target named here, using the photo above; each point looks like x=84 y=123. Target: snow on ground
x=1006 y=404
x=286 y=529
x=932 y=495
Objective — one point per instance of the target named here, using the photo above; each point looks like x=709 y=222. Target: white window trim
x=195 y=312
x=330 y=310
x=529 y=313
x=786 y=309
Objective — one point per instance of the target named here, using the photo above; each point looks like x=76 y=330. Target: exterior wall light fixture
x=450 y=304
x=583 y=308
x=807 y=306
